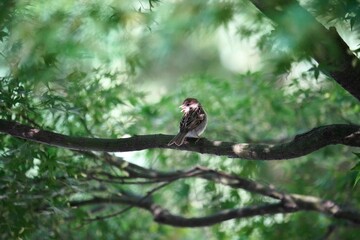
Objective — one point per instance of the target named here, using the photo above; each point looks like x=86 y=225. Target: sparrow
x=193 y=122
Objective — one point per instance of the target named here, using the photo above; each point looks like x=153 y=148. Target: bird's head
x=189 y=104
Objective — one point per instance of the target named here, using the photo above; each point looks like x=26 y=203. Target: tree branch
x=286 y=203
x=326 y=46
x=301 y=145
x=163 y=215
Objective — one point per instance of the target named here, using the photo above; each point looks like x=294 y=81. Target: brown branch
x=326 y=46
x=287 y=203
x=163 y=215
x=124 y=210
x=223 y=178
x=301 y=145
x=150 y=176
x=236 y=182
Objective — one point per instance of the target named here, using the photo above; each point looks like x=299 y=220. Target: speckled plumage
x=193 y=122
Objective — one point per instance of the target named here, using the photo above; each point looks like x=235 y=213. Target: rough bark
x=300 y=145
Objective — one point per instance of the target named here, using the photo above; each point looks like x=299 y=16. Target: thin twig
x=124 y=210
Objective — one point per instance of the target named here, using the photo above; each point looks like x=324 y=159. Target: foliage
x=119 y=68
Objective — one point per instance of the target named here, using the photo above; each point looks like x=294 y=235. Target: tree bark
x=300 y=145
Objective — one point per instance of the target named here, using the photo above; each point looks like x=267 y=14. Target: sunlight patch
x=34 y=171
x=239 y=148
x=217 y=143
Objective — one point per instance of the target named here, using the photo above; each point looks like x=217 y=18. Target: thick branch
x=301 y=145
x=164 y=216
x=290 y=202
x=286 y=203
x=326 y=46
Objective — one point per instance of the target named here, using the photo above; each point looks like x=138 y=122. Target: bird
x=193 y=122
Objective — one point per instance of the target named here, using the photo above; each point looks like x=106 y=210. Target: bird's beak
x=182 y=108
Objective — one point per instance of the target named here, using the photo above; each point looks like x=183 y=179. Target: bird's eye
x=188 y=104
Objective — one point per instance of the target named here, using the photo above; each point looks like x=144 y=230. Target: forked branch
x=281 y=202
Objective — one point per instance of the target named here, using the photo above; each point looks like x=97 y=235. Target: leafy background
x=118 y=68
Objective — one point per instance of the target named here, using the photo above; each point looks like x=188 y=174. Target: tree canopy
x=89 y=96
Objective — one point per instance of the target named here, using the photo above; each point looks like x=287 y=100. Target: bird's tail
x=178 y=139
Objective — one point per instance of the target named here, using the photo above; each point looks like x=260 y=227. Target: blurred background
x=114 y=69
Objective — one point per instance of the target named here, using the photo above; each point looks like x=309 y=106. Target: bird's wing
x=191 y=120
